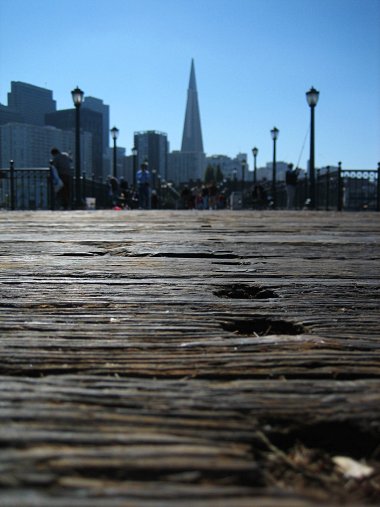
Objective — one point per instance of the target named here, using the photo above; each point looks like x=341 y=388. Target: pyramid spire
x=192 y=132
x=192 y=82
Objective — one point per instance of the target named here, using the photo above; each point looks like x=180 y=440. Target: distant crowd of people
x=120 y=195
x=141 y=196
x=261 y=199
x=203 y=197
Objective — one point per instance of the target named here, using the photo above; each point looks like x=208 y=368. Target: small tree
x=209 y=174
x=218 y=174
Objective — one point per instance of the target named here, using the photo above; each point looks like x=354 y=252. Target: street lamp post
x=274 y=133
x=114 y=133
x=312 y=99
x=243 y=166
x=255 y=151
x=134 y=153
x=234 y=172
x=154 y=173
x=378 y=187
x=77 y=95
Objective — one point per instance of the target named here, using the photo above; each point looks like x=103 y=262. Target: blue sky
x=254 y=61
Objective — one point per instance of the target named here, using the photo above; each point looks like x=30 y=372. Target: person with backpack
x=63 y=163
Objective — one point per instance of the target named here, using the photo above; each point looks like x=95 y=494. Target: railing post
x=340 y=187
x=51 y=188
x=378 y=187
x=327 y=187
x=12 y=184
x=317 y=188
x=305 y=204
x=84 y=195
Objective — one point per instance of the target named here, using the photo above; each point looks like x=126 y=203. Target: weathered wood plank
x=176 y=358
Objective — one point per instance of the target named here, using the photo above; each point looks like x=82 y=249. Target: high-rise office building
x=153 y=147
x=192 y=133
x=99 y=106
x=189 y=163
x=120 y=163
x=29 y=145
x=31 y=102
x=231 y=168
x=8 y=115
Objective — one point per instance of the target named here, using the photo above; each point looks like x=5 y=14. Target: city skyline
x=254 y=61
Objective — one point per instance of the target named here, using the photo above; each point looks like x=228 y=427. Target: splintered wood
x=193 y=359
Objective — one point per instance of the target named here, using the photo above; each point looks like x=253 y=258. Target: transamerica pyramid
x=192 y=132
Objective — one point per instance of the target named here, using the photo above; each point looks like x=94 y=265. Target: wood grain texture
x=200 y=359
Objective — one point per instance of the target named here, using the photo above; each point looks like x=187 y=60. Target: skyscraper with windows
x=152 y=146
x=8 y=115
x=189 y=163
x=29 y=145
x=99 y=106
x=193 y=159
x=192 y=132
x=31 y=102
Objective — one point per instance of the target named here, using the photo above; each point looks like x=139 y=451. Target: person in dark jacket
x=62 y=162
x=143 y=183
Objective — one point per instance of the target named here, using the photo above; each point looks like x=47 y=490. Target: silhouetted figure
x=123 y=186
x=291 y=180
x=124 y=190
x=143 y=184
x=113 y=190
x=187 y=198
x=62 y=162
x=221 y=200
x=212 y=191
x=205 y=197
x=259 y=197
x=154 y=200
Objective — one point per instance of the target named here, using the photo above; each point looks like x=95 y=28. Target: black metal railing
x=359 y=190
x=32 y=189
x=95 y=188
x=25 y=188
x=338 y=189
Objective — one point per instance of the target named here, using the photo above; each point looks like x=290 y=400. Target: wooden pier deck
x=193 y=359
